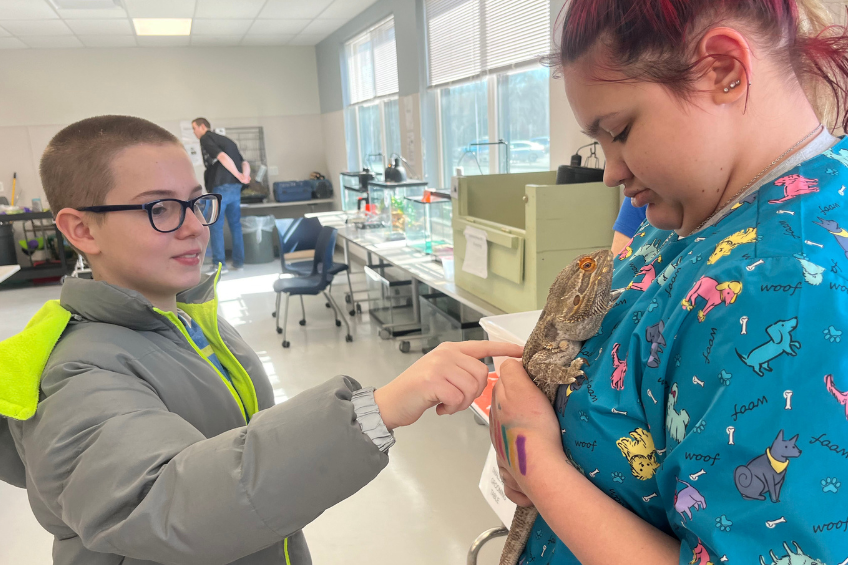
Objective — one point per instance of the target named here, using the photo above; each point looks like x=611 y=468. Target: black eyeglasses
x=168 y=214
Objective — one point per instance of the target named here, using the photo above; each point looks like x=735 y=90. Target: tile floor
x=425 y=508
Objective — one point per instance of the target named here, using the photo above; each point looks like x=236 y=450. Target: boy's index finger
x=481 y=349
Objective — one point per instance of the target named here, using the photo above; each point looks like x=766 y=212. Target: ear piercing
x=732 y=85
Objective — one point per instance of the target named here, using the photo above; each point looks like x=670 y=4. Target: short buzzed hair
x=202 y=122
x=76 y=167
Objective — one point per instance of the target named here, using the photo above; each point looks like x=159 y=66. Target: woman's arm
x=593 y=526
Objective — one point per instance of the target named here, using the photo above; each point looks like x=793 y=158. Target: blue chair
x=301 y=234
x=317 y=282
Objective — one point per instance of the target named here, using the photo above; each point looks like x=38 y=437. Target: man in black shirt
x=226 y=172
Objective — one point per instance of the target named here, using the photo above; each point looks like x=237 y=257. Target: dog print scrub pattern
x=715 y=398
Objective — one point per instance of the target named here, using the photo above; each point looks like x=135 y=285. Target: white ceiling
x=43 y=24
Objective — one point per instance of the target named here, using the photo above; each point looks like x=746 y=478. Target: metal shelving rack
x=251 y=144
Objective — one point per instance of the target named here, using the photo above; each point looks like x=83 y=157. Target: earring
x=735 y=84
x=726 y=90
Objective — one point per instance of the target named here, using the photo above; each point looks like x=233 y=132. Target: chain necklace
x=759 y=175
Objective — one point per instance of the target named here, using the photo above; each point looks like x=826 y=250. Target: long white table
x=421 y=266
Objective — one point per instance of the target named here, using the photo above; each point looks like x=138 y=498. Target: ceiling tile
x=26 y=10
x=55 y=42
x=307 y=39
x=228 y=8
x=100 y=27
x=293 y=9
x=220 y=27
x=105 y=14
x=161 y=8
x=163 y=41
x=4 y=33
x=267 y=39
x=346 y=9
x=273 y=27
x=108 y=40
x=33 y=28
x=323 y=27
x=216 y=40
x=11 y=43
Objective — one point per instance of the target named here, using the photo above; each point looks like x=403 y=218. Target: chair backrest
x=296 y=234
x=324 y=250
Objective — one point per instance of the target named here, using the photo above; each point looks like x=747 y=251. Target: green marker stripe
x=506 y=444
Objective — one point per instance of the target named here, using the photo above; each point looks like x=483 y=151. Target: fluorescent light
x=162 y=26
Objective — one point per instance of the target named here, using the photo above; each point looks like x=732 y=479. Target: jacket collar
x=98 y=301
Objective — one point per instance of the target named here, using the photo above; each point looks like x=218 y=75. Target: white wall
x=42 y=91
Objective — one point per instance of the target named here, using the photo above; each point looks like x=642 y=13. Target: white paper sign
x=476 y=253
x=193 y=150
x=491 y=486
x=186 y=131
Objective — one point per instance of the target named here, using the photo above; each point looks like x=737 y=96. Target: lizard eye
x=587 y=264
x=577 y=300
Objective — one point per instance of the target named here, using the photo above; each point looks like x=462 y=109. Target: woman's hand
x=524 y=430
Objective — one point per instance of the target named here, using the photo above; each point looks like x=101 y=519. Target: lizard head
x=580 y=295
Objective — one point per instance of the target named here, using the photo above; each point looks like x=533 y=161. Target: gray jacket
x=139 y=453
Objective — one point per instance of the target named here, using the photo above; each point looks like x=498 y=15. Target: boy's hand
x=450 y=377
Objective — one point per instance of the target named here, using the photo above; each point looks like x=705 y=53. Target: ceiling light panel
x=162 y=26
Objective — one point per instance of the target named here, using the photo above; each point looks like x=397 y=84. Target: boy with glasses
x=142 y=425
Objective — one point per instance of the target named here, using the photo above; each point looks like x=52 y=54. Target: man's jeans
x=230 y=202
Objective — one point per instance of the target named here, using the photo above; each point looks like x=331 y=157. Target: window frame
x=381 y=103
x=493 y=101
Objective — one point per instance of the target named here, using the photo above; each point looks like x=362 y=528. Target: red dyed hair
x=655 y=41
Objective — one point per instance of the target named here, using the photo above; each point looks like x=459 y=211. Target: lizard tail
x=519 y=533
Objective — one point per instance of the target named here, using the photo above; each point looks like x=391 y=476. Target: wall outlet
x=273 y=171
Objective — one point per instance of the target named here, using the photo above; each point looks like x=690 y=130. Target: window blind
x=466 y=38
x=372 y=63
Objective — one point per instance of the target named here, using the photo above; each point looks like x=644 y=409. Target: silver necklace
x=759 y=175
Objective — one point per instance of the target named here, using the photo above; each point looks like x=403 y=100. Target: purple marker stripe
x=522 y=456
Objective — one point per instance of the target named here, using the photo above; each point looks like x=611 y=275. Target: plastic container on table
x=428 y=222
x=510 y=328
x=258 y=233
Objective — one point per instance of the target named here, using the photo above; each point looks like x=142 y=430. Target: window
x=464 y=124
x=524 y=119
x=372 y=120
x=493 y=97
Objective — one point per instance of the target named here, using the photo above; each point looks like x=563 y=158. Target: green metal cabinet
x=534 y=228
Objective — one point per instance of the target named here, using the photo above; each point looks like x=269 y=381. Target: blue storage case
x=292 y=191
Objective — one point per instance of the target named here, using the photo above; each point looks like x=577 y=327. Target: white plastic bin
x=510 y=328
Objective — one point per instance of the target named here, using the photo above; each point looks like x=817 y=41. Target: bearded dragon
x=577 y=303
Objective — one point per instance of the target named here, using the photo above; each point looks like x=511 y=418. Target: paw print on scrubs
x=723 y=523
x=584 y=416
x=830 y=484
x=618 y=477
x=832 y=335
x=695 y=259
x=653 y=306
x=831 y=171
x=699 y=427
x=724 y=377
x=637 y=317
